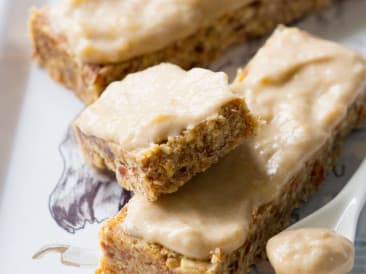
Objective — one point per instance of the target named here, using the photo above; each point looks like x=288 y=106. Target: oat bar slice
x=85 y=50
x=159 y=127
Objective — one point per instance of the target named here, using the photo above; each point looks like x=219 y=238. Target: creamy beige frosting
x=300 y=86
x=310 y=251
x=100 y=31
x=156 y=104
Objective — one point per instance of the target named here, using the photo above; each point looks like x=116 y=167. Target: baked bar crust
x=125 y=254
x=89 y=80
x=166 y=167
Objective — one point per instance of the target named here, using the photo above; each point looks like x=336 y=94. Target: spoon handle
x=355 y=189
x=353 y=196
x=362 y=190
x=341 y=213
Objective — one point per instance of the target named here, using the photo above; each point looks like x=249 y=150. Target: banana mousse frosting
x=100 y=31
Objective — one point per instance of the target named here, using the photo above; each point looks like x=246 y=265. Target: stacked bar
x=159 y=127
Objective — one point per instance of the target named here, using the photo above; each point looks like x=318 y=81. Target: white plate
x=35 y=114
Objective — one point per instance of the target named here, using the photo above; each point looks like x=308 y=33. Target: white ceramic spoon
x=341 y=214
